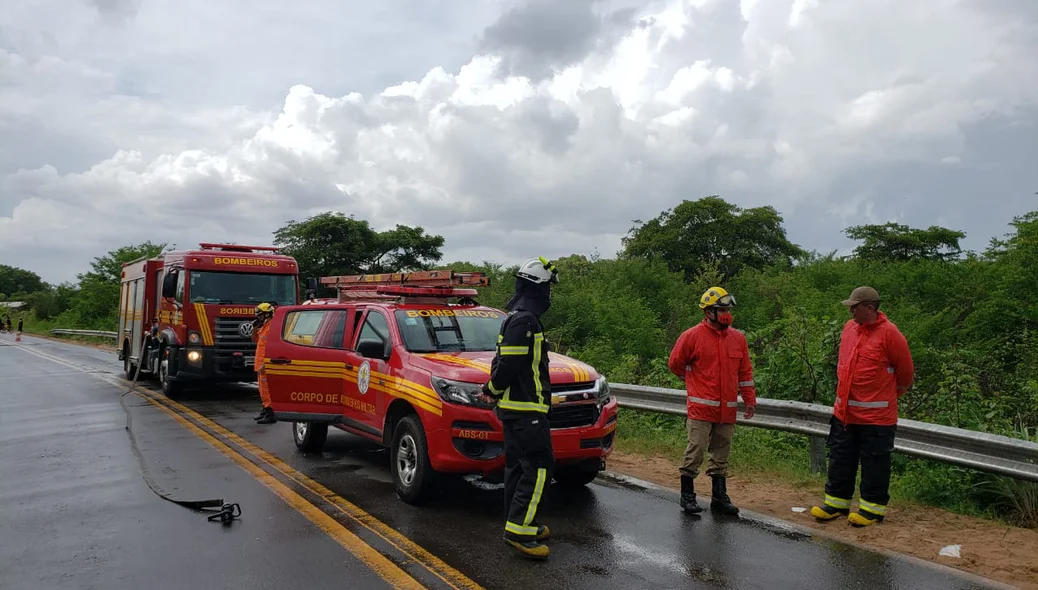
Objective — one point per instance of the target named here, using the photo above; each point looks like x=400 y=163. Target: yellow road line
x=435 y=565
x=409 y=548
x=387 y=570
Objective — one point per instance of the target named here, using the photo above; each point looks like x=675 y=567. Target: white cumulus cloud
x=537 y=143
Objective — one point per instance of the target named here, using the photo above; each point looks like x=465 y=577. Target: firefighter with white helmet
x=713 y=359
x=519 y=385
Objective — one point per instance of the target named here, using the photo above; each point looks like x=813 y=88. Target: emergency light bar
x=237 y=247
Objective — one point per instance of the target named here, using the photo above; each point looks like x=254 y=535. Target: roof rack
x=237 y=247
x=426 y=284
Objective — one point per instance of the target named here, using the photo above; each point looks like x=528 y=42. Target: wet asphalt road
x=85 y=518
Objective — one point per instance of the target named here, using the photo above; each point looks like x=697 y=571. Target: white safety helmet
x=538 y=270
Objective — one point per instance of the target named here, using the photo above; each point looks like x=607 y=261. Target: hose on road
x=225 y=512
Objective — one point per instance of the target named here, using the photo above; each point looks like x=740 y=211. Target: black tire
x=310 y=436
x=413 y=476
x=129 y=368
x=170 y=388
x=574 y=476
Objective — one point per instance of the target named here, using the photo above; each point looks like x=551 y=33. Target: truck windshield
x=438 y=330
x=230 y=288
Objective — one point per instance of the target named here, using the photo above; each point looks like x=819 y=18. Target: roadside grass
x=37 y=327
x=786 y=456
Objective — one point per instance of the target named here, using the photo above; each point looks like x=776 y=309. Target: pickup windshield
x=231 y=288
x=449 y=330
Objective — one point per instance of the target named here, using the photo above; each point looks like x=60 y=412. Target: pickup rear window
x=435 y=331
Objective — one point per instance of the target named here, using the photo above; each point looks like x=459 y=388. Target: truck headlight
x=602 y=391
x=459 y=392
x=194 y=338
x=193 y=356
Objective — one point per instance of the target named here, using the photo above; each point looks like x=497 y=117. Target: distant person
x=20 y=325
x=874 y=370
x=713 y=360
x=260 y=328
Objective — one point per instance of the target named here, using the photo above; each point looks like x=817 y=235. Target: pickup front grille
x=573 y=416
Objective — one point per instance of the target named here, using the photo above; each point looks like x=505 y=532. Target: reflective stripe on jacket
x=874 y=370
x=715 y=365
x=519 y=375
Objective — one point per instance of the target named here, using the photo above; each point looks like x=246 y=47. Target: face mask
x=724 y=318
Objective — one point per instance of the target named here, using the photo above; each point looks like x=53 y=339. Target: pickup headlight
x=459 y=392
x=602 y=391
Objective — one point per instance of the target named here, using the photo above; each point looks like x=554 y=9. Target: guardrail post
x=817 y=448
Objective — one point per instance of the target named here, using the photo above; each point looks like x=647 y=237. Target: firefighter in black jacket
x=520 y=386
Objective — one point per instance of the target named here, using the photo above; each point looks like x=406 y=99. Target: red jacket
x=715 y=365
x=874 y=370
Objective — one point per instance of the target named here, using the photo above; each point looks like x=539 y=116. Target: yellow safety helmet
x=716 y=296
x=264 y=308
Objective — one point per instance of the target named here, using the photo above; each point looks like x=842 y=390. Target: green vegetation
x=971 y=320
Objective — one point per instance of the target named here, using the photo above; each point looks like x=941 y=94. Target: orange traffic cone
x=18 y=337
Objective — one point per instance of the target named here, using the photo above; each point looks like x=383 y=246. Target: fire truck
x=186 y=315
x=400 y=358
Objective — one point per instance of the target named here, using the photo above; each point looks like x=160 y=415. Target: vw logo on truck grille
x=245 y=329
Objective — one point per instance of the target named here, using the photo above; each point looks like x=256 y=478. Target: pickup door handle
x=280 y=361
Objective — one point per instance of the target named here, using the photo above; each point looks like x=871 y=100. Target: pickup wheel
x=413 y=475
x=309 y=436
x=575 y=476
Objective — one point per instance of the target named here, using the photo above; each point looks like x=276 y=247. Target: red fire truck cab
x=394 y=360
x=186 y=316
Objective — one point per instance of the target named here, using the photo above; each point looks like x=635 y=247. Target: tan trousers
x=707 y=437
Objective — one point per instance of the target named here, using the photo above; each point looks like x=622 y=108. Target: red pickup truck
x=394 y=360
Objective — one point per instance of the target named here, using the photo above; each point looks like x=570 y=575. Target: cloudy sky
x=513 y=128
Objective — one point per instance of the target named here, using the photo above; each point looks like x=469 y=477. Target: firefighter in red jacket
x=874 y=370
x=714 y=361
x=260 y=331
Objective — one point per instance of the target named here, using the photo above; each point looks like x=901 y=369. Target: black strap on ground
x=225 y=513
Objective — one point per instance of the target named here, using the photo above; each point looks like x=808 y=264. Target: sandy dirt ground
x=990 y=549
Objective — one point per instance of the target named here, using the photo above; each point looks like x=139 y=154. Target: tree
x=16 y=280
x=711 y=230
x=97 y=302
x=896 y=242
x=331 y=244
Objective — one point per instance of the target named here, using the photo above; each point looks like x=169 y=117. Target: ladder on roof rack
x=438 y=284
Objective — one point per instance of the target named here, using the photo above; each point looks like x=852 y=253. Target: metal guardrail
x=97 y=333
x=992 y=453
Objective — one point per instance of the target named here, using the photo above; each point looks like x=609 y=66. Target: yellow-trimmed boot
x=827 y=512
x=529 y=547
x=863 y=518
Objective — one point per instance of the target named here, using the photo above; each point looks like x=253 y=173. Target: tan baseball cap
x=861 y=294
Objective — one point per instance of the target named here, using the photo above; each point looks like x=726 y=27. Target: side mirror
x=372 y=349
x=169 y=285
x=311 y=284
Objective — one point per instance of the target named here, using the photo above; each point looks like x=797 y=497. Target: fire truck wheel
x=169 y=388
x=412 y=473
x=128 y=368
x=309 y=436
x=574 y=476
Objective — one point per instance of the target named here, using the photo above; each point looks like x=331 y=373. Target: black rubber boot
x=268 y=417
x=688 y=496
x=719 y=499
